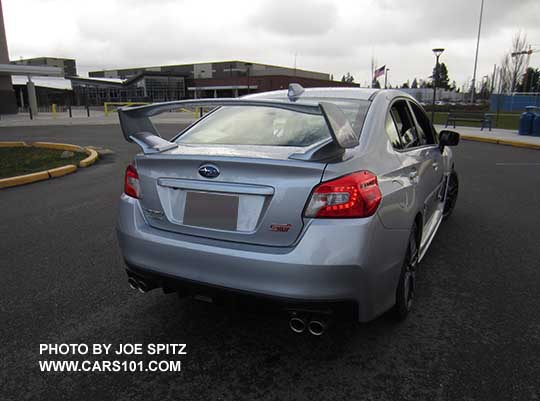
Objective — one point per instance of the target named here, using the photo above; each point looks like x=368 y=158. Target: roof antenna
x=294 y=92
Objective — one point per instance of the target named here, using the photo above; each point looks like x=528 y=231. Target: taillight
x=353 y=195
x=131 y=182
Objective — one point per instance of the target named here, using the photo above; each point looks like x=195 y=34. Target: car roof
x=335 y=92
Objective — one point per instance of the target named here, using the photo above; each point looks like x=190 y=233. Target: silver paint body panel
x=318 y=259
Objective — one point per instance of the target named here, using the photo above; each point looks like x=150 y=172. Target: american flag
x=379 y=71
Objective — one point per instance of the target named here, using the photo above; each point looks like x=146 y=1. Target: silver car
x=318 y=200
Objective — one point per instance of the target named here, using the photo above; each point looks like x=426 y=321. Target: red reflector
x=353 y=195
x=131 y=182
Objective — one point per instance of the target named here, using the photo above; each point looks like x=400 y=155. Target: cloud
x=327 y=35
x=296 y=18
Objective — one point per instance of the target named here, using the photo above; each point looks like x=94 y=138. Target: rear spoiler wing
x=137 y=127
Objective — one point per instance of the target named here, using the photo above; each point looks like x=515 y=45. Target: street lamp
x=437 y=52
x=386 y=77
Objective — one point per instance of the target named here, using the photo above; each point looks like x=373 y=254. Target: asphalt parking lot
x=474 y=335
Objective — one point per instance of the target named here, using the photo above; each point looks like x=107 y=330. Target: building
x=425 y=95
x=7 y=95
x=48 y=90
x=156 y=84
x=68 y=65
x=216 y=79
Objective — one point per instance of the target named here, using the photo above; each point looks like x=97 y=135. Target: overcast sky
x=330 y=36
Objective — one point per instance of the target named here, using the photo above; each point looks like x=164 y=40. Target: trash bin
x=526 y=121
x=536 y=125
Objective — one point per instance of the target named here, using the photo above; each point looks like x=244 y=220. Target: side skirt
x=433 y=225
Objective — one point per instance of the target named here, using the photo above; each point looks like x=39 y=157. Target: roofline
x=209 y=62
x=49 y=57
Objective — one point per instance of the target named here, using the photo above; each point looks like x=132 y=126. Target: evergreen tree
x=443 y=81
x=414 y=84
x=347 y=78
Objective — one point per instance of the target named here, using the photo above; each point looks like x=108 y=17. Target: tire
x=451 y=195
x=407 y=280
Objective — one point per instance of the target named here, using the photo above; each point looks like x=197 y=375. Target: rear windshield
x=250 y=125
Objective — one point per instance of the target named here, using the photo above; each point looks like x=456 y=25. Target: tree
x=405 y=85
x=443 y=80
x=414 y=84
x=347 y=78
x=484 y=89
x=530 y=81
x=331 y=77
x=513 y=64
x=376 y=84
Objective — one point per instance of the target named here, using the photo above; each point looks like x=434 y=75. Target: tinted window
x=250 y=125
x=425 y=129
x=404 y=124
x=392 y=132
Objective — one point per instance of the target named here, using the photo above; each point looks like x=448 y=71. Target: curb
x=61 y=171
x=58 y=146
x=91 y=159
x=495 y=141
x=24 y=179
x=13 y=144
x=50 y=173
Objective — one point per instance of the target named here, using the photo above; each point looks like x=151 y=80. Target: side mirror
x=448 y=138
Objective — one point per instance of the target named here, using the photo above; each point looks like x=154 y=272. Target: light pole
x=437 y=51
x=473 y=84
x=386 y=77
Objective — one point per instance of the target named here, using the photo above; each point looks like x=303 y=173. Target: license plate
x=204 y=209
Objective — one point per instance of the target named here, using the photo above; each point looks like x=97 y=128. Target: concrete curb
x=58 y=146
x=24 y=179
x=61 y=171
x=496 y=141
x=91 y=159
x=13 y=144
x=50 y=173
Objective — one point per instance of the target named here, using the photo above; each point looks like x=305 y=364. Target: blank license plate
x=209 y=210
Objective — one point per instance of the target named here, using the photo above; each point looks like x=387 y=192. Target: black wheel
x=407 y=280
x=451 y=195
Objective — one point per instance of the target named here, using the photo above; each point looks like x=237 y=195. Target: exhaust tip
x=133 y=283
x=143 y=287
x=316 y=327
x=298 y=325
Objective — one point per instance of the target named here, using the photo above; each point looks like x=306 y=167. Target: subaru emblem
x=208 y=171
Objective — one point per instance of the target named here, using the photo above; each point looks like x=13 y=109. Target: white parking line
x=517 y=164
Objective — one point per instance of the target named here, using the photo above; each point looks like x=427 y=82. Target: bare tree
x=505 y=77
x=514 y=63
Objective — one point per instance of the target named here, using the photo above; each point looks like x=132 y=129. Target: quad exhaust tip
x=297 y=324
x=314 y=326
x=317 y=327
x=133 y=283
x=140 y=285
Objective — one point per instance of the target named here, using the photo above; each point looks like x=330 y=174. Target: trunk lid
x=258 y=196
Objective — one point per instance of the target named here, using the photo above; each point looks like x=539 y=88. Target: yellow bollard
x=53 y=109
x=196 y=112
x=106 y=109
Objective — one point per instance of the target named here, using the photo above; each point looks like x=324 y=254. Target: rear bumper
x=329 y=263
